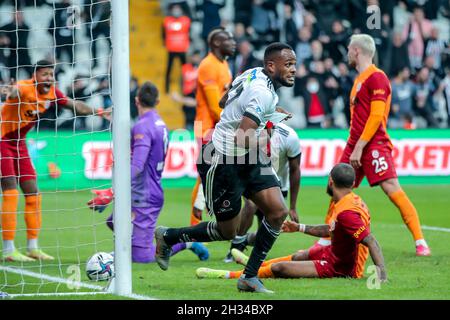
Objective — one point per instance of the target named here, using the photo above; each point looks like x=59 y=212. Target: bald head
x=216 y=34
x=221 y=43
x=343 y=175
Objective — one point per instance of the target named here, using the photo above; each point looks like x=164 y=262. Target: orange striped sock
x=33 y=216
x=269 y=262
x=408 y=212
x=235 y=274
x=9 y=213
x=265 y=272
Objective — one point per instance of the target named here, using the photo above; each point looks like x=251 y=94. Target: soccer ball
x=100 y=267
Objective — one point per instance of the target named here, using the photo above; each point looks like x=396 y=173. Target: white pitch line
x=431 y=228
x=12 y=296
x=436 y=228
x=74 y=284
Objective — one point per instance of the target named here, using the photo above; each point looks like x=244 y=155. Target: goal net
x=70 y=151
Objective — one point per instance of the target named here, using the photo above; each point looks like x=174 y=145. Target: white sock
x=188 y=245
x=227 y=275
x=421 y=242
x=32 y=244
x=239 y=239
x=324 y=242
x=8 y=246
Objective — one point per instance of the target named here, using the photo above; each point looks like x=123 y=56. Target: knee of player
x=228 y=234
x=300 y=255
x=278 y=216
x=278 y=269
x=390 y=186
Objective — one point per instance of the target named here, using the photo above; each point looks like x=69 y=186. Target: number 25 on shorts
x=380 y=164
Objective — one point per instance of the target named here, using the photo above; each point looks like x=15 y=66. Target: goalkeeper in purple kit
x=149 y=144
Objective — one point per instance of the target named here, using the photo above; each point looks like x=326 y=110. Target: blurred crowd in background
x=411 y=39
x=76 y=38
x=411 y=36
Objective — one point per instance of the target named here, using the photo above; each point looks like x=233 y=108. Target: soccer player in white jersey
x=230 y=168
x=285 y=155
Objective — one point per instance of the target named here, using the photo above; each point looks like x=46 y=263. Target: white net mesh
x=70 y=152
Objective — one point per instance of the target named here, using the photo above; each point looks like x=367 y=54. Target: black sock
x=239 y=242
x=265 y=238
x=202 y=232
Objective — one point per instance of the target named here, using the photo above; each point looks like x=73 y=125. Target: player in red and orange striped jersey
x=214 y=78
x=369 y=148
x=349 y=229
x=25 y=103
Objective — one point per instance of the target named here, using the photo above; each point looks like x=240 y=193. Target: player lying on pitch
x=349 y=227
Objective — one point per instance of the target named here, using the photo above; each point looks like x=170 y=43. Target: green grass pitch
x=72 y=233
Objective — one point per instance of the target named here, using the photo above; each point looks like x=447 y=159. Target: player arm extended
x=78 y=107
x=320 y=230
x=376 y=255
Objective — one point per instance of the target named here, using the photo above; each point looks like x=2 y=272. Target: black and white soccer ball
x=100 y=267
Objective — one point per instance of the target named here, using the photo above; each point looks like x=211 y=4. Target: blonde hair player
x=369 y=148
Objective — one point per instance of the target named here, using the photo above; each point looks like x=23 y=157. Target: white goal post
x=71 y=153
x=121 y=140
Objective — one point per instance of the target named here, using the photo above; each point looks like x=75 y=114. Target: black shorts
x=226 y=179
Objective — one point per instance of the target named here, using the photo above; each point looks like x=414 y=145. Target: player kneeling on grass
x=349 y=227
x=149 y=145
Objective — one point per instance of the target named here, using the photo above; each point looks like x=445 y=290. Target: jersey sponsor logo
x=375 y=154
x=258 y=109
x=378 y=92
x=251 y=76
x=226 y=203
x=359 y=231
x=138 y=136
x=323 y=262
x=418 y=157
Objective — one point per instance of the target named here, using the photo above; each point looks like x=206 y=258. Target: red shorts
x=326 y=263
x=322 y=258
x=377 y=164
x=15 y=161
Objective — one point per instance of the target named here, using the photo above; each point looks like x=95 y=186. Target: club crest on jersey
x=332 y=225
x=47 y=104
x=375 y=154
x=358 y=87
